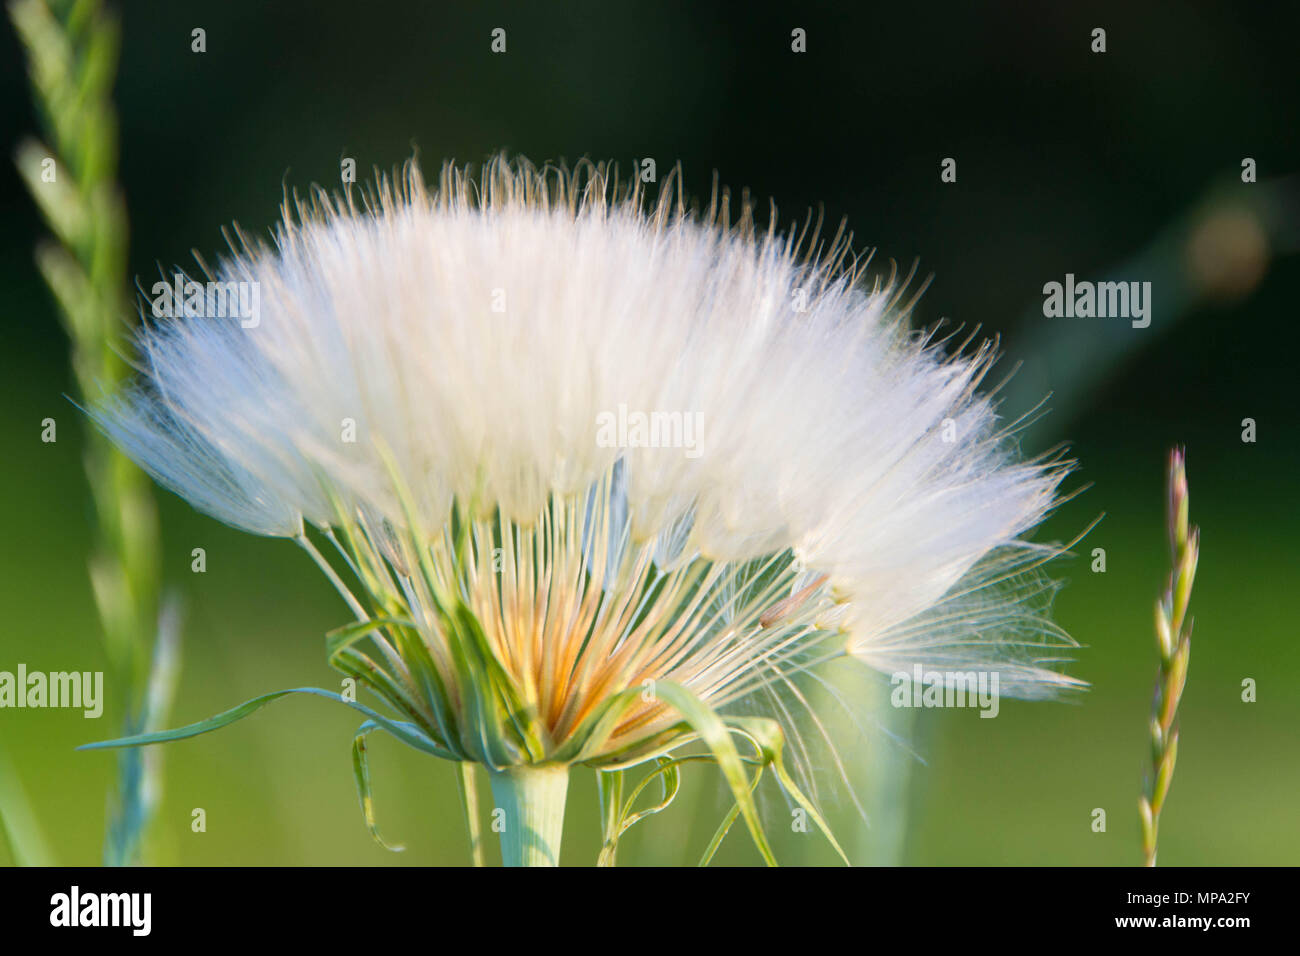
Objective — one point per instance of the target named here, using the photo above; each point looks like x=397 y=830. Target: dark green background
x=1067 y=162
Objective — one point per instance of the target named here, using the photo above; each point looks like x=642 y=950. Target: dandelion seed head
x=847 y=486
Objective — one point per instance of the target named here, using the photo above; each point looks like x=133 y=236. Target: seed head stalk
x=532 y=800
x=1174 y=640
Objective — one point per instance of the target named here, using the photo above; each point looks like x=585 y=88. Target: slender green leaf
x=768 y=739
x=715 y=733
x=725 y=827
x=532 y=734
x=406 y=732
x=347 y=635
x=361 y=770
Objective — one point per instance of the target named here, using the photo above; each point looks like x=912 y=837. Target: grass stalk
x=72 y=53
x=1174 y=640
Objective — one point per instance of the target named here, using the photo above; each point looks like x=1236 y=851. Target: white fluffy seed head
x=504 y=341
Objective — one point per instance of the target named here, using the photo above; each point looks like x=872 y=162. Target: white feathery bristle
x=481 y=336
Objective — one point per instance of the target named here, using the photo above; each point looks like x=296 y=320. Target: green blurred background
x=1118 y=164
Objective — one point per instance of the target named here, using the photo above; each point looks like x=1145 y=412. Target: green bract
x=421 y=646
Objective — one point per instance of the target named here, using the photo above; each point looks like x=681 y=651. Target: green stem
x=469 y=799
x=609 y=784
x=532 y=799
